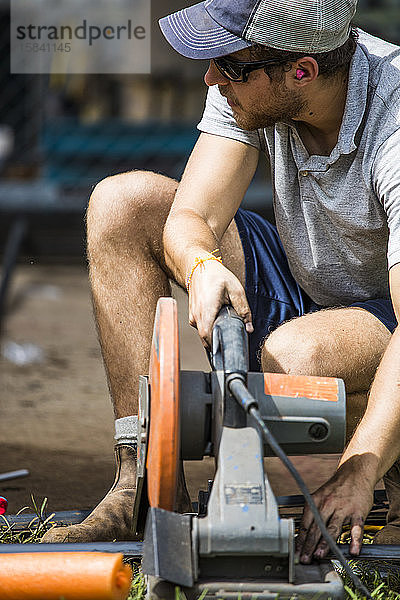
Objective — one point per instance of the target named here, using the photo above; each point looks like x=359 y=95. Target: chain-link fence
x=60 y=134
x=69 y=131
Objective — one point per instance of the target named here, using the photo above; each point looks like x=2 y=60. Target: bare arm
x=348 y=496
x=379 y=429
x=213 y=185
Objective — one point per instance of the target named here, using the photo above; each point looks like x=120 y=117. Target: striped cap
x=218 y=27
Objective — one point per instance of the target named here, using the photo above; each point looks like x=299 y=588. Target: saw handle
x=229 y=343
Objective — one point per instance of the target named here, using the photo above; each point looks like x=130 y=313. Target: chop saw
x=237 y=545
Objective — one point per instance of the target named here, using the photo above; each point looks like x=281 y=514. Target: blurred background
x=59 y=135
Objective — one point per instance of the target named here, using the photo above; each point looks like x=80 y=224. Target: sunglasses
x=239 y=71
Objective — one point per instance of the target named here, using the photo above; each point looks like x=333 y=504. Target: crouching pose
x=293 y=80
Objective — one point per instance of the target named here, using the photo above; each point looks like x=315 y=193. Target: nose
x=214 y=76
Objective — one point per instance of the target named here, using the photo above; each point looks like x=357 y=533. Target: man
x=290 y=79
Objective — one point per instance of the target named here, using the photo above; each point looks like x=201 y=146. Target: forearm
x=377 y=441
x=215 y=180
x=186 y=236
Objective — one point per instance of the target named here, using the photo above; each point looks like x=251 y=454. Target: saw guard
x=164 y=439
x=301 y=386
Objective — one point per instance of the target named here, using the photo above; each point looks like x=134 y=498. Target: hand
x=345 y=499
x=213 y=285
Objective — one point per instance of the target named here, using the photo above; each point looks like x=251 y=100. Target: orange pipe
x=67 y=575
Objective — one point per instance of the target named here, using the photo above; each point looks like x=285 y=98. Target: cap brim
x=194 y=34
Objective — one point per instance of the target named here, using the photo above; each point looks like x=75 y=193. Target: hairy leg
x=126 y=217
x=128 y=274
x=125 y=220
x=343 y=342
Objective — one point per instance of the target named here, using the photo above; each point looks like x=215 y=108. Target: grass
x=33 y=533
x=138 y=588
x=385 y=587
x=382 y=587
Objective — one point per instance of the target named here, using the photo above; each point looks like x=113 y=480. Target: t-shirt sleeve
x=386 y=179
x=218 y=119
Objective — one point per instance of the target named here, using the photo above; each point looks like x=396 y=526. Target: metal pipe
x=63 y=517
x=380 y=499
x=134 y=550
x=128 y=549
x=14 y=474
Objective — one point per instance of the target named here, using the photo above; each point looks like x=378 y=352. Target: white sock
x=126 y=430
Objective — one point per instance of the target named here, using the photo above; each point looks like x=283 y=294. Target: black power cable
x=242 y=395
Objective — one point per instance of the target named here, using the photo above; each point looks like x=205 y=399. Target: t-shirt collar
x=356 y=102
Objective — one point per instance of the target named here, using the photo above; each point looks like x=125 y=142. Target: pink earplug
x=300 y=74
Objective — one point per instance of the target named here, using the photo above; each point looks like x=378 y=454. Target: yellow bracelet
x=200 y=261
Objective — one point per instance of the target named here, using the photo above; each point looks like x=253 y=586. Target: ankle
x=126 y=430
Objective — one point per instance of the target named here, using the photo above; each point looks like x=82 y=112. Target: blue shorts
x=273 y=294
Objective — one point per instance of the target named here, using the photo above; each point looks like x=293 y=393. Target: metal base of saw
x=311 y=581
x=241 y=546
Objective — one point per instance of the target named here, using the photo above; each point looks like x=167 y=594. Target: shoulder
x=384 y=66
x=376 y=47
x=382 y=62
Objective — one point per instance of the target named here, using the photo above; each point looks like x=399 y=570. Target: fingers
x=334 y=529
x=239 y=302
x=310 y=543
x=208 y=294
x=305 y=524
x=205 y=325
x=309 y=536
x=249 y=327
x=192 y=320
x=357 y=532
x=314 y=545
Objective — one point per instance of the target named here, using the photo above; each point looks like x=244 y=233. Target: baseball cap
x=215 y=28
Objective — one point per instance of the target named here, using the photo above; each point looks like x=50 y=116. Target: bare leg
x=128 y=274
x=125 y=219
x=344 y=342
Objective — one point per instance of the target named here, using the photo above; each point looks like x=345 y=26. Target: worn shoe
x=112 y=518
x=390 y=534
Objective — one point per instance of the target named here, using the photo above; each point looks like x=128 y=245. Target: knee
x=120 y=206
x=294 y=350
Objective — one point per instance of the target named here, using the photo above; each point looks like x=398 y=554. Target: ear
x=302 y=72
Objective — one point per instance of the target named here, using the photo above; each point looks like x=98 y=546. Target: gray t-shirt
x=338 y=216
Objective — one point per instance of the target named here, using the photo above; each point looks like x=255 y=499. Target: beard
x=281 y=105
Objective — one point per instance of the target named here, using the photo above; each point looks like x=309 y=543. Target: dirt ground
x=55 y=414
